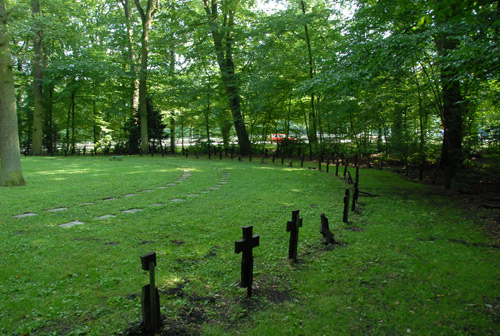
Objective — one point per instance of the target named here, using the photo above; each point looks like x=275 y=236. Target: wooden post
x=293 y=227
x=345 y=217
x=150 y=298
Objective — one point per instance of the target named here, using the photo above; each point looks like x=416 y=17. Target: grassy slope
x=405 y=273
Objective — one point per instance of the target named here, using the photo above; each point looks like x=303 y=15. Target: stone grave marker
x=245 y=247
x=131 y=211
x=150 y=298
x=293 y=227
x=328 y=236
x=26 y=214
x=70 y=224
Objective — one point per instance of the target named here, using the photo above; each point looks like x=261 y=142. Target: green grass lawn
x=412 y=261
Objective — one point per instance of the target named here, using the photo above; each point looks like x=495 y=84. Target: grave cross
x=150 y=297
x=293 y=227
x=245 y=246
x=328 y=237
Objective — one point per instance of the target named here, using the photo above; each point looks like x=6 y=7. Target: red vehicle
x=278 y=137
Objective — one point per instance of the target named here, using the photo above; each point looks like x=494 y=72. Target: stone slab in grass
x=157 y=204
x=70 y=224
x=177 y=200
x=88 y=203
x=109 y=199
x=132 y=211
x=57 y=209
x=105 y=217
x=224 y=182
x=214 y=188
x=26 y=214
x=147 y=190
x=205 y=191
x=192 y=195
x=130 y=195
x=162 y=187
x=172 y=184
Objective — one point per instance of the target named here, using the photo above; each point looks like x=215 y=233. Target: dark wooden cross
x=328 y=237
x=245 y=246
x=150 y=297
x=293 y=227
x=345 y=218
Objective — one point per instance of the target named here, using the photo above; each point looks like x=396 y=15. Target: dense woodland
x=412 y=81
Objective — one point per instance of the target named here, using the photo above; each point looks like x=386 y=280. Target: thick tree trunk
x=147 y=19
x=453 y=101
x=222 y=34
x=452 y=117
x=37 y=138
x=11 y=172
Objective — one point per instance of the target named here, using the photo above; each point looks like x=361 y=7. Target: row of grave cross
x=150 y=300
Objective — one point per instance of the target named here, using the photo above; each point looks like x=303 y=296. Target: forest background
x=411 y=81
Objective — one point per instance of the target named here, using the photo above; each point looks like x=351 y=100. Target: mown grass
x=411 y=261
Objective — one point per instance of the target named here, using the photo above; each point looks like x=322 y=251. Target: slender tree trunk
x=19 y=103
x=68 y=119
x=37 y=138
x=11 y=172
x=132 y=59
x=172 y=135
x=313 y=137
x=147 y=19
x=222 y=34
x=49 y=127
x=73 y=140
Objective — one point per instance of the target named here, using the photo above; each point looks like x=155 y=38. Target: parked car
x=278 y=137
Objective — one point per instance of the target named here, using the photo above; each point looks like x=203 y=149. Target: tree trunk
x=131 y=55
x=49 y=127
x=73 y=140
x=223 y=35
x=452 y=118
x=147 y=18
x=452 y=109
x=172 y=135
x=37 y=138
x=313 y=137
x=11 y=172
